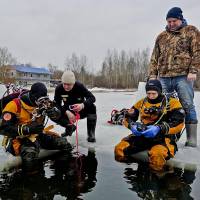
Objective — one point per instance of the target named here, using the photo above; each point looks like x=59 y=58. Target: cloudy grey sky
x=48 y=31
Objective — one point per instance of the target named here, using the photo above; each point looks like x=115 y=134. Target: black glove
x=54 y=113
x=33 y=128
x=164 y=126
x=128 y=115
x=130 y=123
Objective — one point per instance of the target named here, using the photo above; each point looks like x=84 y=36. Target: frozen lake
x=111 y=180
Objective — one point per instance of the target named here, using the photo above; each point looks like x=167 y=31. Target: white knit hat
x=68 y=77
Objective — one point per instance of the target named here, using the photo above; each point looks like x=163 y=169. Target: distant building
x=27 y=75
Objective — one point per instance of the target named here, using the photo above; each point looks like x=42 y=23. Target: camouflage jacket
x=176 y=53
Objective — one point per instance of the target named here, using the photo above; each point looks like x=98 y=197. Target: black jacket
x=78 y=94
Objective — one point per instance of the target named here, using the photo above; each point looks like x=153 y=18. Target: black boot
x=91 y=125
x=69 y=129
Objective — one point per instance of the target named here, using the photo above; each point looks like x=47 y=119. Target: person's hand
x=191 y=77
x=129 y=113
x=77 y=107
x=151 y=131
x=54 y=113
x=32 y=128
x=128 y=123
x=71 y=116
x=135 y=131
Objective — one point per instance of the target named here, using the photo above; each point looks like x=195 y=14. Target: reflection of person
x=78 y=176
x=26 y=135
x=70 y=177
x=172 y=184
x=175 y=61
x=162 y=121
x=75 y=97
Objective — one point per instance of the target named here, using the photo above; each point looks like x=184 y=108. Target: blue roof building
x=30 y=69
x=27 y=75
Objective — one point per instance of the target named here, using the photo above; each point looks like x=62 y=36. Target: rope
x=78 y=158
x=79 y=165
x=77 y=117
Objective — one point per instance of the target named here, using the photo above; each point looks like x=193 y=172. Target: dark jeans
x=184 y=89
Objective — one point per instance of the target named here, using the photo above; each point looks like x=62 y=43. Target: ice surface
x=109 y=135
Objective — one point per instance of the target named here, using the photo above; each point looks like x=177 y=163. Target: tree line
x=119 y=69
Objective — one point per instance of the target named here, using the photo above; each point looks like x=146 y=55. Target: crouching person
x=73 y=97
x=26 y=135
x=162 y=120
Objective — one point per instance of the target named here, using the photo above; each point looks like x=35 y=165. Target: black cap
x=154 y=85
x=175 y=12
x=38 y=90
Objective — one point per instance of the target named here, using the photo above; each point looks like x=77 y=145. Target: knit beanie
x=38 y=90
x=175 y=12
x=68 y=77
x=154 y=85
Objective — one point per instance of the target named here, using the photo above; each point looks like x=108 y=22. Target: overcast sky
x=47 y=31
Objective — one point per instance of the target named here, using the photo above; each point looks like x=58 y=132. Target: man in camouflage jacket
x=175 y=61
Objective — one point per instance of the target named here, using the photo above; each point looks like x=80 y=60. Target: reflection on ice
x=173 y=183
x=72 y=176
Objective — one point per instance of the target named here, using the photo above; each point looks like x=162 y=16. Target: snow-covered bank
x=140 y=89
x=97 y=89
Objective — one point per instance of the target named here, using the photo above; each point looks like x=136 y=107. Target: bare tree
x=79 y=66
x=6 y=59
x=124 y=70
x=73 y=63
x=56 y=73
